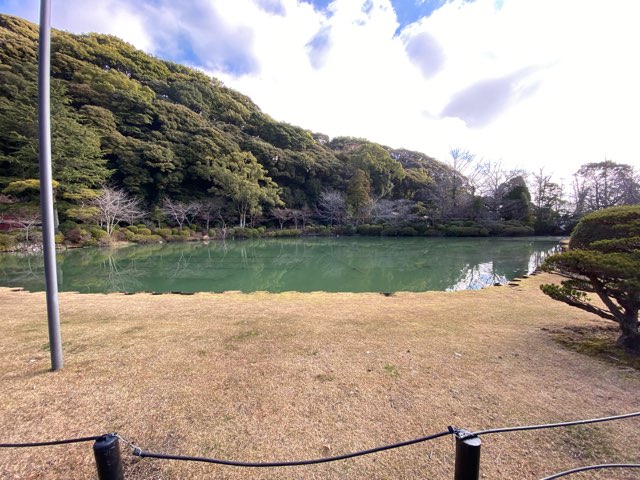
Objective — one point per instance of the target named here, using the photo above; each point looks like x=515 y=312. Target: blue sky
x=531 y=83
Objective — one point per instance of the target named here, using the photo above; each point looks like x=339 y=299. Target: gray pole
x=46 y=187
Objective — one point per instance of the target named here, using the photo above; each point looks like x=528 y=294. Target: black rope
x=593 y=467
x=52 y=442
x=550 y=425
x=141 y=453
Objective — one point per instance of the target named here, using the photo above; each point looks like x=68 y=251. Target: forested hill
x=161 y=130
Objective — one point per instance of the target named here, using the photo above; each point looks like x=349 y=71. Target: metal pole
x=108 y=462
x=467 y=457
x=46 y=187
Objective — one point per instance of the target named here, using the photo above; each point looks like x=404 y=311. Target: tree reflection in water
x=353 y=264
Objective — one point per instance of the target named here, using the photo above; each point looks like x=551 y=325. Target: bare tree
x=135 y=214
x=282 y=214
x=26 y=220
x=392 y=212
x=493 y=177
x=605 y=184
x=115 y=206
x=332 y=206
x=464 y=164
x=179 y=211
x=301 y=215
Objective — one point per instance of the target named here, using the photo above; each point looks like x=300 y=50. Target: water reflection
x=310 y=264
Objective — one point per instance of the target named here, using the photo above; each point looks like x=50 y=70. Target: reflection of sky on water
x=474 y=277
x=361 y=264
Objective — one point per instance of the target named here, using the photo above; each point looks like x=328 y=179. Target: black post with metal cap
x=467 y=456
x=108 y=461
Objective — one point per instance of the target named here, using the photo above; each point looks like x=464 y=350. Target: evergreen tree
x=358 y=198
x=604 y=259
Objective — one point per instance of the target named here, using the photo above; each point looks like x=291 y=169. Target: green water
x=350 y=264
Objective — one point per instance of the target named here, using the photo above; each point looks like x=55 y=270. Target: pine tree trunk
x=630 y=337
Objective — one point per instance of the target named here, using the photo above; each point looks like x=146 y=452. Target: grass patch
x=231 y=343
x=280 y=376
x=583 y=442
x=392 y=370
x=244 y=336
x=596 y=341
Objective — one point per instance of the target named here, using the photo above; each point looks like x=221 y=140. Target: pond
x=349 y=264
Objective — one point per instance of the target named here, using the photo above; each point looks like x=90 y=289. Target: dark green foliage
x=612 y=223
x=511 y=228
x=157 y=130
x=456 y=230
x=146 y=239
x=358 y=199
x=604 y=259
x=370 y=230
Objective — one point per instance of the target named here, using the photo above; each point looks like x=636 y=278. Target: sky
x=533 y=84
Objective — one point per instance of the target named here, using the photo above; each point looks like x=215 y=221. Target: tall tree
x=515 y=200
x=358 y=198
x=549 y=203
x=246 y=183
x=383 y=171
x=606 y=184
x=464 y=166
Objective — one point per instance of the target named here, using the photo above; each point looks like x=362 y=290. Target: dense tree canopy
x=158 y=130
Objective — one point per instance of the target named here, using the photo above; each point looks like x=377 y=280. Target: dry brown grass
x=288 y=376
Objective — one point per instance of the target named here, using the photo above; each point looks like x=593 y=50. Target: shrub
x=458 y=231
x=610 y=223
x=369 y=229
x=244 y=232
x=78 y=236
x=132 y=229
x=6 y=241
x=144 y=231
x=408 y=232
x=185 y=232
x=59 y=238
x=117 y=236
x=66 y=226
x=97 y=233
x=517 y=231
x=144 y=239
x=345 y=230
x=163 y=232
x=287 y=232
x=128 y=234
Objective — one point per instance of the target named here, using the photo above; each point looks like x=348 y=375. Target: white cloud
x=116 y=17
x=579 y=55
x=578 y=102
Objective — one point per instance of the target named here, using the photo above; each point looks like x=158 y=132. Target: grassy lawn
x=265 y=377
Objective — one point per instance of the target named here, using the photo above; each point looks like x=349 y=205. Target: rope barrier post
x=467 y=456
x=106 y=449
